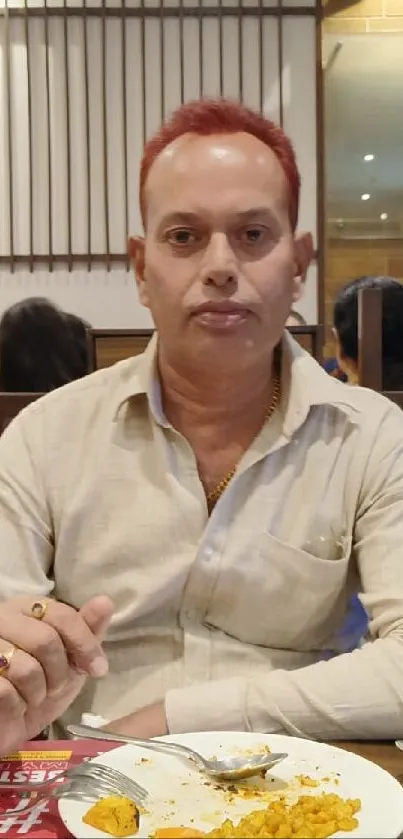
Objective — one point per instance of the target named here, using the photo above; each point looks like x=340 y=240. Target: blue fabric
x=355 y=625
x=353 y=630
x=331 y=366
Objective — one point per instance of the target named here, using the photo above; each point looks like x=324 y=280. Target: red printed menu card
x=40 y=761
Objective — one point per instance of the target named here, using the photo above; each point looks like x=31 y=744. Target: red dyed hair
x=221 y=116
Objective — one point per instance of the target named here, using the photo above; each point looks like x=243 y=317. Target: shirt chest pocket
x=276 y=595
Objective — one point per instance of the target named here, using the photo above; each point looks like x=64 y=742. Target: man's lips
x=226 y=308
x=221 y=316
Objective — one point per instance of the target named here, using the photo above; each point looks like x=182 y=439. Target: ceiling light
x=368 y=157
x=365 y=196
x=384 y=216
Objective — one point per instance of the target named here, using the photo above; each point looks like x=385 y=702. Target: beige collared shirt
x=227 y=617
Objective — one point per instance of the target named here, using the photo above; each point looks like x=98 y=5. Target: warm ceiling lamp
x=368 y=157
x=384 y=216
x=365 y=196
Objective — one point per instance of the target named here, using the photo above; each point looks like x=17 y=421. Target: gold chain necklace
x=215 y=494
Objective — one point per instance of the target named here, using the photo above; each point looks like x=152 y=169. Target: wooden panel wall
x=346 y=260
x=112 y=348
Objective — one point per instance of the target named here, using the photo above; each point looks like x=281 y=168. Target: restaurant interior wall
x=363 y=98
x=83 y=83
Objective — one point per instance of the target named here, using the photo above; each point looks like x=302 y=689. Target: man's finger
x=40 y=640
x=25 y=674
x=97 y=614
x=82 y=645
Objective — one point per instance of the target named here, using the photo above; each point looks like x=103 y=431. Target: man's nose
x=219 y=265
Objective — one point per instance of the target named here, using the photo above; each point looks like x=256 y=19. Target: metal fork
x=86 y=782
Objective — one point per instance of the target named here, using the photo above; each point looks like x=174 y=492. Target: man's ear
x=346 y=365
x=137 y=259
x=303 y=257
x=339 y=353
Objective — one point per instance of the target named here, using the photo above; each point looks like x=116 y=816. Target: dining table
x=50 y=756
x=382 y=752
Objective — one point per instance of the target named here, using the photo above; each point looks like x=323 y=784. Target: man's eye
x=253 y=234
x=181 y=236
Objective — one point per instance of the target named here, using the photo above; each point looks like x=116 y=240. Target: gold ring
x=39 y=609
x=5 y=659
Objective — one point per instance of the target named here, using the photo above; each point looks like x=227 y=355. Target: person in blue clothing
x=345 y=321
x=331 y=365
x=345 y=328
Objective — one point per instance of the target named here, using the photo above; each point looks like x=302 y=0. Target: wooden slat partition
x=111 y=345
x=107 y=346
x=395 y=396
x=370 y=343
x=370 y=338
x=310 y=338
x=74 y=47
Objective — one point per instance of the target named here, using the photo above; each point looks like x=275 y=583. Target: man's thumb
x=97 y=614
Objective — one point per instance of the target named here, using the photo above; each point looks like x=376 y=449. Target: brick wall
x=366 y=16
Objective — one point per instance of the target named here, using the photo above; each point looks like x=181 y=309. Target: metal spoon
x=228 y=769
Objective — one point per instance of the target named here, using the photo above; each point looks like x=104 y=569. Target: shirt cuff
x=211 y=706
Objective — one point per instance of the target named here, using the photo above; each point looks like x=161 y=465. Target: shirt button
x=208 y=553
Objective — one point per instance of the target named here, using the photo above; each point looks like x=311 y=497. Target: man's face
x=219 y=267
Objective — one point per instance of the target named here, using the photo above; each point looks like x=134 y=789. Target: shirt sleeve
x=26 y=536
x=356 y=695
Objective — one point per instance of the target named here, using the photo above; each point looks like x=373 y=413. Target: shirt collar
x=304 y=385
x=140 y=379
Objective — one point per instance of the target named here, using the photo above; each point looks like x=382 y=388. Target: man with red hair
x=221 y=489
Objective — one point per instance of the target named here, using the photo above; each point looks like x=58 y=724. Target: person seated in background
x=329 y=364
x=345 y=328
x=220 y=494
x=41 y=347
x=80 y=329
x=295 y=319
x=345 y=320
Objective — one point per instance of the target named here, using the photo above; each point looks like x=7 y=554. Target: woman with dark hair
x=80 y=330
x=41 y=347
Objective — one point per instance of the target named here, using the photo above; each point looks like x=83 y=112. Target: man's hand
x=149 y=722
x=50 y=661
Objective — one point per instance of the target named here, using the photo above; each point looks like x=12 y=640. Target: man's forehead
x=192 y=158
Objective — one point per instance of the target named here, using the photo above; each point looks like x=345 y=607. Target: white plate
x=181 y=795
